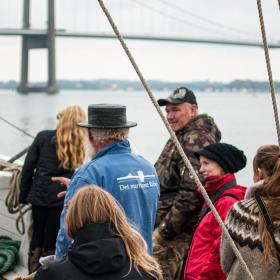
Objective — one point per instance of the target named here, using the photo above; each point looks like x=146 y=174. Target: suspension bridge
x=45 y=37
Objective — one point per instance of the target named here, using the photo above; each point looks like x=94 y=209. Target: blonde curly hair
x=70 y=138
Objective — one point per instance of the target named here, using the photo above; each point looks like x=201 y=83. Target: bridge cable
x=207 y=20
x=174 y=138
x=269 y=71
x=186 y=22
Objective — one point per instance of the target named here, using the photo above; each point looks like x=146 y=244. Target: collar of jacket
x=94 y=232
x=201 y=122
x=252 y=189
x=115 y=148
x=192 y=122
x=214 y=183
x=97 y=250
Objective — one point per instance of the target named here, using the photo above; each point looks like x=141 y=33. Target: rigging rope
x=269 y=72
x=12 y=198
x=16 y=127
x=21 y=153
x=174 y=138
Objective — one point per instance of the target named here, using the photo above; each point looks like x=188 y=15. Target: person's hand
x=64 y=182
x=61 y=194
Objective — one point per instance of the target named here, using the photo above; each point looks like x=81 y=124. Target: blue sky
x=93 y=59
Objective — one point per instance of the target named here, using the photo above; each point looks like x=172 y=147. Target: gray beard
x=90 y=151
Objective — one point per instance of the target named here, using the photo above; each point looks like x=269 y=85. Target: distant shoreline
x=112 y=84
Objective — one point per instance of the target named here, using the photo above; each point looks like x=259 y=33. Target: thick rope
x=27 y=277
x=269 y=72
x=174 y=138
x=12 y=198
x=8 y=253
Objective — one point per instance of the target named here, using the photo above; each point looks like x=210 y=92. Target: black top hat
x=107 y=116
x=179 y=96
x=230 y=158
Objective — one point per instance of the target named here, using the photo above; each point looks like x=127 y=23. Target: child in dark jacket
x=105 y=245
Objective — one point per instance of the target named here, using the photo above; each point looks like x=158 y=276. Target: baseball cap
x=179 y=96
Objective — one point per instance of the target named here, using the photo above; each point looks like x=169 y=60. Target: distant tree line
x=109 y=84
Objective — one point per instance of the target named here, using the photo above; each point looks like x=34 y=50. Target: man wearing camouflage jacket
x=180 y=203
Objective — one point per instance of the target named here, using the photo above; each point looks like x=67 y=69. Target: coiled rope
x=8 y=253
x=26 y=277
x=174 y=138
x=269 y=71
x=12 y=198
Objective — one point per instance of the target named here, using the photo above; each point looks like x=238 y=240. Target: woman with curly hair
x=106 y=245
x=256 y=234
x=53 y=153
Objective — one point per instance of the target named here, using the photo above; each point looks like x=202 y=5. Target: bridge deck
x=72 y=34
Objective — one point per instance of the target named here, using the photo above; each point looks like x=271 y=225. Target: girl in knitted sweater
x=246 y=224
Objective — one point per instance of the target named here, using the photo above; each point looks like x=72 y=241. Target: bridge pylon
x=42 y=41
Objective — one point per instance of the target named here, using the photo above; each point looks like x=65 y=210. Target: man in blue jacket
x=130 y=178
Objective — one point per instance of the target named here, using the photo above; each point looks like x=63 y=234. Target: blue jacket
x=130 y=178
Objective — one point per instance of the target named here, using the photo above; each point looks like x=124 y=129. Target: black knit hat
x=179 y=96
x=230 y=158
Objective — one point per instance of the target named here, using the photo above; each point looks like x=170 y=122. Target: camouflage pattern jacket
x=179 y=203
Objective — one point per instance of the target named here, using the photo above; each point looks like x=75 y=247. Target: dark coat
x=41 y=163
x=97 y=253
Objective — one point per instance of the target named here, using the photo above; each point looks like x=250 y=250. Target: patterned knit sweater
x=242 y=223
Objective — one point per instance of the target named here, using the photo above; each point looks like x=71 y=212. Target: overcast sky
x=93 y=59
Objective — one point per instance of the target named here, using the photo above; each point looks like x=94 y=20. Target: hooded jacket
x=204 y=256
x=96 y=254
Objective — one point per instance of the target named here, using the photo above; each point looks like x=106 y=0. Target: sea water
x=245 y=119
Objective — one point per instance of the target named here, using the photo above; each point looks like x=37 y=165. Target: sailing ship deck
x=8 y=228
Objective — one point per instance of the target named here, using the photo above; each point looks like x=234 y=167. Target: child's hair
x=267 y=159
x=93 y=205
x=70 y=138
